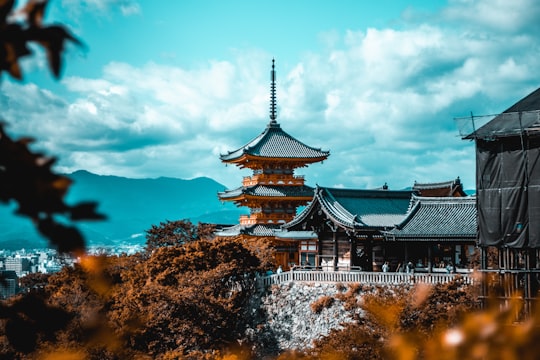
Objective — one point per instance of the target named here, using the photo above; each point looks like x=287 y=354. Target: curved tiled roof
x=273 y=142
x=437 y=218
x=421 y=186
x=437 y=189
x=268 y=191
x=296 y=235
x=253 y=230
x=354 y=209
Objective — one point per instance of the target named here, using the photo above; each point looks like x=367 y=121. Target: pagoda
x=273 y=192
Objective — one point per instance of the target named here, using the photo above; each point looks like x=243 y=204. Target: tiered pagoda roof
x=251 y=230
x=273 y=192
x=267 y=191
x=274 y=143
x=437 y=219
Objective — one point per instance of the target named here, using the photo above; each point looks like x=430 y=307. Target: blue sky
x=163 y=87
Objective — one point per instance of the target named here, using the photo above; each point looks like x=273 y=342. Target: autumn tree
x=187 y=298
x=180 y=301
x=85 y=291
x=174 y=233
x=33 y=282
x=27 y=321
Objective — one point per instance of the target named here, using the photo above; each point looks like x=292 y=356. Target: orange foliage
x=187 y=300
x=440 y=322
x=321 y=303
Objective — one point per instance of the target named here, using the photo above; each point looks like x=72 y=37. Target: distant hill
x=131 y=206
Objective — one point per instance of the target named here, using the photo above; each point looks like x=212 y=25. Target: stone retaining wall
x=286 y=320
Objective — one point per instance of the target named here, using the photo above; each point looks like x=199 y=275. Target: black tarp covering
x=508 y=191
x=534 y=188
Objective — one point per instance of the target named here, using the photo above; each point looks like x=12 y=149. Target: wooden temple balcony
x=263 y=218
x=273 y=179
x=352 y=276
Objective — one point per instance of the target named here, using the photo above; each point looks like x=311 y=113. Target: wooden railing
x=374 y=278
x=273 y=179
x=264 y=218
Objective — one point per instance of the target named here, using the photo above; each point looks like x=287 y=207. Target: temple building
x=437 y=232
x=343 y=229
x=355 y=229
x=273 y=192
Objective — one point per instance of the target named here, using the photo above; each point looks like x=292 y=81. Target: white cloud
x=495 y=15
x=102 y=7
x=130 y=8
x=382 y=100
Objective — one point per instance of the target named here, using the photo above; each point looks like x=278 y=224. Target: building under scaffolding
x=508 y=192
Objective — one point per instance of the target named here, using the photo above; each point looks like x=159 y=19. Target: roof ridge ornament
x=273 y=114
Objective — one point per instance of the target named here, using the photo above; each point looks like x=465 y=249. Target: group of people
x=449 y=267
x=410 y=267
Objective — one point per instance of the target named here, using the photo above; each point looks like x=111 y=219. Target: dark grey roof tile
x=268 y=191
x=438 y=218
x=353 y=209
x=273 y=142
x=252 y=230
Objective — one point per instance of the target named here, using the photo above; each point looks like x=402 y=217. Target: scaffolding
x=498 y=125
x=508 y=202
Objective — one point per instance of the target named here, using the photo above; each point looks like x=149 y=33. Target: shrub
x=349 y=298
x=321 y=303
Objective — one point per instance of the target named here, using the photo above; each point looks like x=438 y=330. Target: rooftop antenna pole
x=273 y=94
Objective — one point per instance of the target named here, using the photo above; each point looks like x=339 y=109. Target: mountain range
x=131 y=206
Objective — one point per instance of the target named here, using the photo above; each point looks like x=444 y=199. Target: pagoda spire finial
x=273 y=115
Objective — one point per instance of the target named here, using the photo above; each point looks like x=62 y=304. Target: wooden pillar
x=483 y=266
x=319 y=252
x=531 y=266
x=464 y=252
x=406 y=253
x=531 y=285
x=335 y=243
x=352 y=250
x=430 y=258
x=369 y=253
x=453 y=258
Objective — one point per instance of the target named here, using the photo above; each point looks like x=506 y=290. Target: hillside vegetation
x=131 y=206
